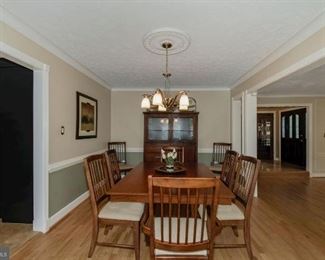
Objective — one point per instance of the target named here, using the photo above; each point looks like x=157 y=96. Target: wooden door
x=293 y=137
x=265 y=136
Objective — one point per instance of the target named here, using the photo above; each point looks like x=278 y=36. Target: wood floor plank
x=288 y=222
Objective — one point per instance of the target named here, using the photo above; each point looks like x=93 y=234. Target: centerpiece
x=169 y=159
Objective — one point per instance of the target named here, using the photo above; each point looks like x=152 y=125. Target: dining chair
x=228 y=168
x=107 y=213
x=238 y=214
x=114 y=172
x=179 y=150
x=175 y=228
x=218 y=155
x=120 y=148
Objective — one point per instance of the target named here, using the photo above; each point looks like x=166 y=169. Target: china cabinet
x=170 y=129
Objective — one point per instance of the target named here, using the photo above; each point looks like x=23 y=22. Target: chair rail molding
x=54 y=167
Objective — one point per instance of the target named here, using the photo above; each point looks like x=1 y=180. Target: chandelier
x=160 y=100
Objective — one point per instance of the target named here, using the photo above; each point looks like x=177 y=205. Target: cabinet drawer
x=152 y=157
x=152 y=148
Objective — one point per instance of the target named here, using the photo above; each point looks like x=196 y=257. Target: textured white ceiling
x=309 y=83
x=228 y=37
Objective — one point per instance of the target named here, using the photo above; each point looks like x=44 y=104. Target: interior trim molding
x=140 y=150
x=173 y=89
x=40 y=133
x=57 y=166
x=37 y=38
x=67 y=209
x=290 y=96
x=54 y=167
x=317 y=175
x=134 y=150
x=310 y=29
x=304 y=62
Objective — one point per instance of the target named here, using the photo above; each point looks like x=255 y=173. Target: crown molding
x=173 y=89
x=290 y=96
x=310 y=29
x=30 y=33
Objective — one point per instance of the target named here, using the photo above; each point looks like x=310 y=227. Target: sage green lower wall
x=65 y=186
x=69 y=183
x=135 y=158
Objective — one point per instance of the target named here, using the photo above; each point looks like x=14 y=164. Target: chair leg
x=94 y=239
x=136 y=234
x=235 y=230
x=247 y=237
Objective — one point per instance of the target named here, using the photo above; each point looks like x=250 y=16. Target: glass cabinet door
x=158 y=128
x=182 y=129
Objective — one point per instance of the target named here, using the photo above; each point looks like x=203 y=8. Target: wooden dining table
x=134 y=186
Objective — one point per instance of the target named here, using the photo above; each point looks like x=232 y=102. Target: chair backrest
x=219 y=152
x=179 y=150
x=114 y=172
x=97 y=179
x=229 y=168
x=120 y=149
x=246 y=177
x=175 y=223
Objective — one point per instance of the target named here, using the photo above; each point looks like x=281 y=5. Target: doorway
x=265 y=136
x=16 y=143
x=41 y=131
x=293 y=137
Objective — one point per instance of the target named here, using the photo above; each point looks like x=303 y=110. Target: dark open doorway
x=265 y=136
x=16 y=143
x=293 y=137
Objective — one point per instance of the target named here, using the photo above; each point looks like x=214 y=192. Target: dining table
x=134 y=186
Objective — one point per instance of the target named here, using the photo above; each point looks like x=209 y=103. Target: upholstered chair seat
x=122 y=211
x=181 y=235
x=229 y=212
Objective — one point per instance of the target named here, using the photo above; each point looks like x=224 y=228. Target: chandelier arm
x=179 y=94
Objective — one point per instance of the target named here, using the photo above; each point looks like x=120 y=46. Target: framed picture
x=86 y=117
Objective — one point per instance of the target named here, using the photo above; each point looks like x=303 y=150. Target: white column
x=249 y=111
x=249 y=125
x=236 y=135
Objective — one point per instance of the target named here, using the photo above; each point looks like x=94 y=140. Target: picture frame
x=87 y=117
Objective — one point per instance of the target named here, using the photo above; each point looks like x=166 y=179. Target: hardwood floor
x=14 y=235
x=288 y=222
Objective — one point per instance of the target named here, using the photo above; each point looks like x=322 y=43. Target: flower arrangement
x=169 y=158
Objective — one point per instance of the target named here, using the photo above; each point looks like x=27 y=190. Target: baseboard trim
x=67 y=209
x=317 y=175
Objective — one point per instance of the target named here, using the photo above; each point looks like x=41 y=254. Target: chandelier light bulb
x=161 y=108
x=157 y=99
x=184 y=101
x=145 y=103
x=183 y=108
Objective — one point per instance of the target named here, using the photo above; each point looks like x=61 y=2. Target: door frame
x=40 y=132
x=274 y=130
x=309 y=129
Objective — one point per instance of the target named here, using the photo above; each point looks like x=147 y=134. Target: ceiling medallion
x=154 y=40
x=167 y=42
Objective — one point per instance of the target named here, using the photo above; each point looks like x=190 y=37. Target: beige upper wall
x=318 y=124
x=64 y=81
x=214 y=117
